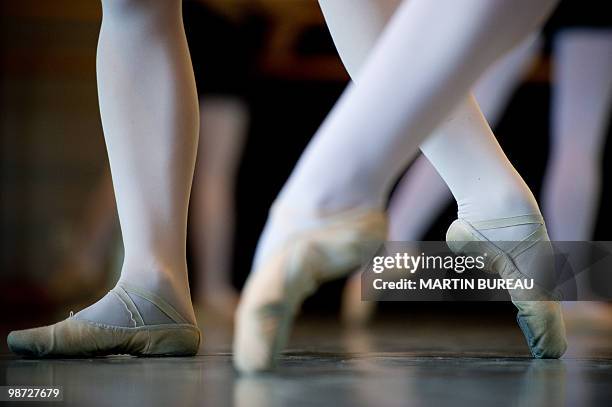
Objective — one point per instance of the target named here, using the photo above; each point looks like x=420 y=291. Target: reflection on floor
x=427 y=361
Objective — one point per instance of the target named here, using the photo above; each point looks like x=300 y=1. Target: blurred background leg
x=223 y=126
x=581 y=101
x=580 y=111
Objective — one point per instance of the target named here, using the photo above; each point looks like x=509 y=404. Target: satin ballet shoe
x=279 y=284
x=539 y=314
x=74 y=337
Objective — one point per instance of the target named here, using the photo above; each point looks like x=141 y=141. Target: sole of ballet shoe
x=275 y=290
x=539 y=318
x=75 y=337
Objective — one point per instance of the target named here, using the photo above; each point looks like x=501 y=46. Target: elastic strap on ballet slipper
x=123 y=296
x=533 y=219
x=536 y=236
x=122 y=290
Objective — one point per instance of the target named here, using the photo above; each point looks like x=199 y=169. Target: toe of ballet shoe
x=29 y=342
x=249 y=364
x=172 y=340
x=261 y=331
x=280 y=282
x=77 y=338
x=543 y=328
x=248 y=359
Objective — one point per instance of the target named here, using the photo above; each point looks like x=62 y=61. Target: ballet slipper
x=279 y=284
x=74 y=337
x=539 y=315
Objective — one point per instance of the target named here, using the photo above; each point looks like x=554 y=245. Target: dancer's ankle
x=505 y=203
x=161 y=278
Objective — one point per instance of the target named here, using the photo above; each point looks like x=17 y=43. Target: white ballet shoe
x=74 y=337
x=541 y=321
x=277 y=287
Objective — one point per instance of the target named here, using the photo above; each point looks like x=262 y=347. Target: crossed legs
x=415 y=77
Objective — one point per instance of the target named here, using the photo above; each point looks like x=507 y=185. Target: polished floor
x=426 y=361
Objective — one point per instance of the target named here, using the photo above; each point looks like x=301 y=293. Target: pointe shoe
x=541 y=321
x=277 y=287
x=74 y=337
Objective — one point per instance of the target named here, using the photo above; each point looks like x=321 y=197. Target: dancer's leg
x=581 y=99
x=223 y=128
x=582 y=95
x=358 y=153
x=421 y=194
x=149 y=114
x=433 y=80
x=371 y=16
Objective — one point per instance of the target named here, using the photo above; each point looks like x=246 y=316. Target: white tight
x=149 y=111
x=375 y=129
x=581 y=101
x=223 y=127
x=421 y=194
x=405 y=91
